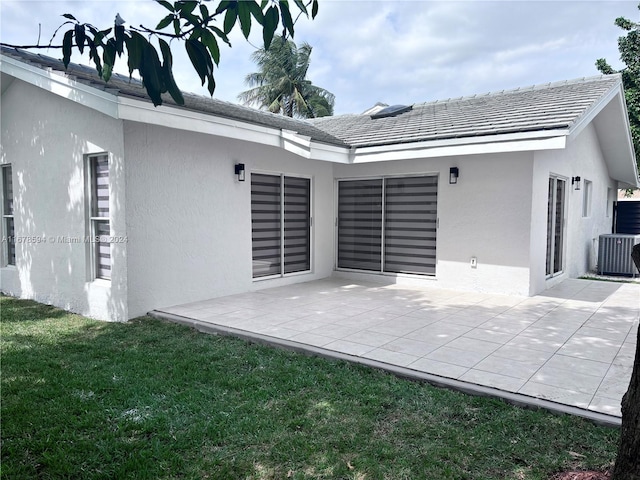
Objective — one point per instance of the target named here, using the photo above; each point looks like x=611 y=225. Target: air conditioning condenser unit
x=614 y=254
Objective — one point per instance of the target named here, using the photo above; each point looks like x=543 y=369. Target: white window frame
x=6 y=217
x=94 y=220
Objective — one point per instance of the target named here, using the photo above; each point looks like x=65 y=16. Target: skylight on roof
x=391 y=111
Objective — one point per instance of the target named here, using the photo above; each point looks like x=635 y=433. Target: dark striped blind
x=410 y=225
x=410 y=221
x=100 y=180
x=7 y=214
x=360 y=224
x=7 y=189
x=297 y=231
x=265 y=224
x=99 y=166
x=268 y=195
x=103 y=249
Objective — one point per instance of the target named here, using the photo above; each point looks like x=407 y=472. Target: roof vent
x=391 y=111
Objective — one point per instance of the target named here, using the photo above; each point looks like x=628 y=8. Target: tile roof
x=541 y=107
x=121 y=85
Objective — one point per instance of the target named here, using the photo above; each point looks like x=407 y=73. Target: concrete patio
x=570 y=348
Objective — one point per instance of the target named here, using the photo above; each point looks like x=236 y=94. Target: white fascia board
x=330 y=153
x=526 y=141
x=182 y=119
x=61 y=85
x=296 y=143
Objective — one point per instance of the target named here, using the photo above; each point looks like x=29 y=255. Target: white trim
x=61 y=85
x=547 y=140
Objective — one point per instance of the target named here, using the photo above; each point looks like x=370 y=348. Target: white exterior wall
x=485 y=215
x=189 y=219
x=582 y=157
x=46 y=139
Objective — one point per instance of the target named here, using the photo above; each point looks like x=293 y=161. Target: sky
x=395 y=52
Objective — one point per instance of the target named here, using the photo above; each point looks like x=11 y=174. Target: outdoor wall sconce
x=575 y=181
x=240 y=171
x=453 y=175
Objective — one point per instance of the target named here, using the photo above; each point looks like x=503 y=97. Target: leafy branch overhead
x=192 y=22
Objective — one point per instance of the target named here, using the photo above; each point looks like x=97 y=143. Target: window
x=388 y=224
x=280 y=224
x=9 y=251
x=586 y=198
x=555 y=225
x=99 y=216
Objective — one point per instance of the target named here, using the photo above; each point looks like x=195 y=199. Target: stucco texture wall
x=582 y=157
x=485 y=215
x=46 y=139
x=189 y=218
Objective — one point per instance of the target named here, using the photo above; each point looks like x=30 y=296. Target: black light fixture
x=453 y=175
x=240 y=171
x=575 y=181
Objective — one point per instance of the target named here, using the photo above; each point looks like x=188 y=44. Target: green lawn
x=148 y=399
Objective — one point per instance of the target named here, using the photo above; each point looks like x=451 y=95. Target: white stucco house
x=112 y=207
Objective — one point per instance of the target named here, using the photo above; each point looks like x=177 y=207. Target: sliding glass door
x=388 y=224
x=280 y=224
x=555 y=226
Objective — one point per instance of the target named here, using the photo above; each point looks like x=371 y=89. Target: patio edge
x=517 y=399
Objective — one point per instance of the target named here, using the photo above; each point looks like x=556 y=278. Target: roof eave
x=61 y=85
x=610 y=118
x=501 y=143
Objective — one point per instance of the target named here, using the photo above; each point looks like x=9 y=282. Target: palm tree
x=281 y=85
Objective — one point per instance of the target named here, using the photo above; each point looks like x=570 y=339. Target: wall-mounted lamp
x=240 y=171
x=575 y=181
x=453 y=175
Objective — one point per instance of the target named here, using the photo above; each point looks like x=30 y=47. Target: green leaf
x=167 y=73
x=69 y=16
x=186 y=6
x=314 y=9
x=256 y=11
x=80 y=37
x=151 y=72
x=199 y=58
x=244 y=14
x=287 y=21
x=120 y=36
x=166 y=5
x=176 y=26
x=221 y=34
x=165 y=22
x=67 y=43
x=109 y=58
x=222 y=6
x=135 y=46
x=191 y=18
x=93 y=54
x=210 y=42
x=204 y=11
x=271 y=19
x=230 y=17
x=302 y=7
x=106 y=72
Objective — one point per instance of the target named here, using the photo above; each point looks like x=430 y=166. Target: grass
x=152 y=400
